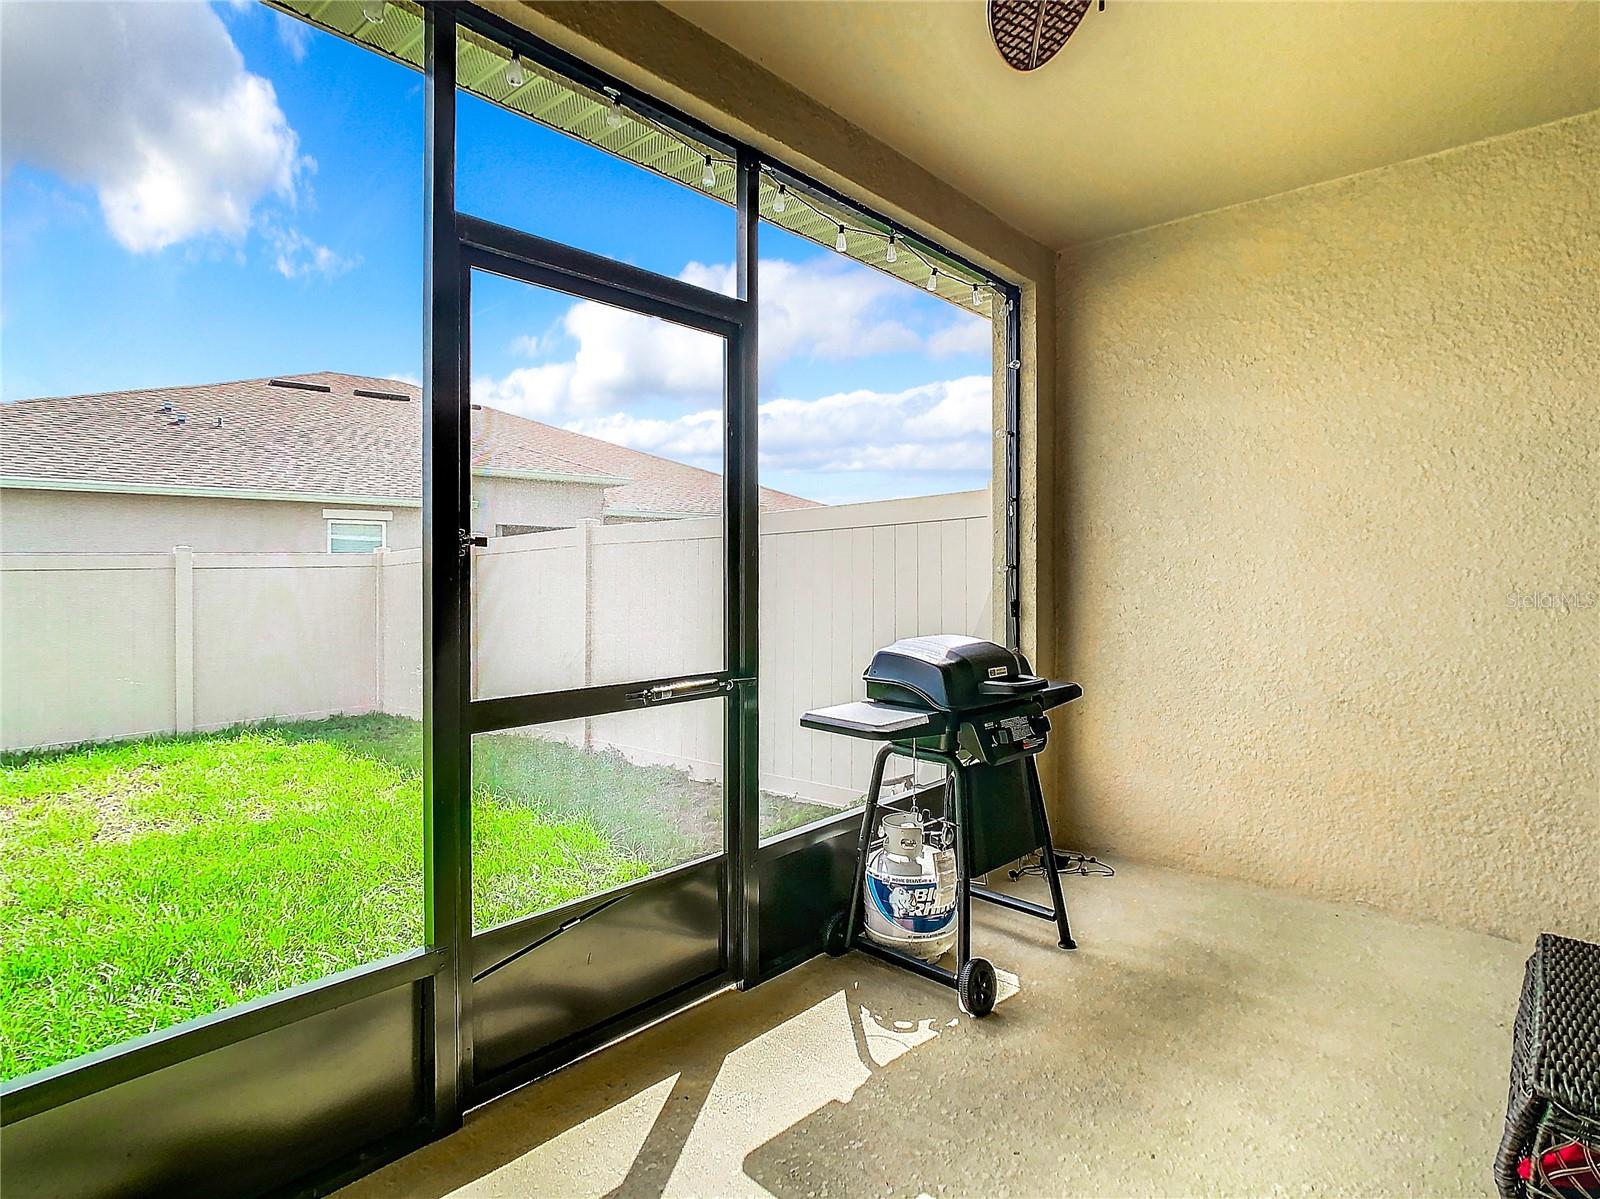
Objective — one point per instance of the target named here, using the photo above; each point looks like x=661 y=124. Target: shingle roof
x=307 y=440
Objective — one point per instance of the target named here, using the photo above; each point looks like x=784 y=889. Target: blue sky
x=231 y=194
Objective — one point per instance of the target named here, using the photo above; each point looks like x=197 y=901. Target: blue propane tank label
x=916 y=907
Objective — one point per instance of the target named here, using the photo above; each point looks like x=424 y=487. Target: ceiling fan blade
x=1029 y=33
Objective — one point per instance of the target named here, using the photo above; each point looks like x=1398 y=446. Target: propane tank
x=911 y=887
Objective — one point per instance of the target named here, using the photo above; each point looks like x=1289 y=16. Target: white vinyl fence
x=104 y=646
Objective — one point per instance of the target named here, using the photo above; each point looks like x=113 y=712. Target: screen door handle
x=681 y=689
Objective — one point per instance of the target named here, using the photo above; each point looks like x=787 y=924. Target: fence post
x=586 y=632
x=183 y=638
x=379 y=556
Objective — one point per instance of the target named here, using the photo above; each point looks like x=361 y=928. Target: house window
x=355 y=536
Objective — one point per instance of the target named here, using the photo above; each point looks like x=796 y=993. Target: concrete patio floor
x=1208 y=1038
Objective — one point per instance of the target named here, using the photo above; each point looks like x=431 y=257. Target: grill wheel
x=975 y=987
x=833 y=934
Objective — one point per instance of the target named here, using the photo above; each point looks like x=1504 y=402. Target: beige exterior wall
x=500 y=501
x=59 y=522
x=1316 y=454
x=50 y=521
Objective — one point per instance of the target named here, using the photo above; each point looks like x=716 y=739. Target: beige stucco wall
x=1314 y=451
x=59 y=522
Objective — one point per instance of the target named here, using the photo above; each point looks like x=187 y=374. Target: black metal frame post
x=1012 y=366
x=446 y=741
x=742 y=533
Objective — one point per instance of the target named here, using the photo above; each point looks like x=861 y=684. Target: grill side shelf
x=870 y=720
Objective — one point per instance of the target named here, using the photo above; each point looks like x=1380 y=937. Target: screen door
x=601 y=632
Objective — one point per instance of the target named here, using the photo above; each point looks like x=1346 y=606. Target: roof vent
x=383 y=395
x=179 y=418
x=298 y=385
x=164 y=409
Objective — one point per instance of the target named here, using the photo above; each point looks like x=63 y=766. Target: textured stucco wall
x=1315 y=452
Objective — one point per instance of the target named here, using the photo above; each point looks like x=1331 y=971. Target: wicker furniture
x=1553 y=1116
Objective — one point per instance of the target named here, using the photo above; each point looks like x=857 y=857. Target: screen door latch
x=681 y=689
x=468 y=540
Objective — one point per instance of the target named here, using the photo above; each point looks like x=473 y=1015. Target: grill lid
x=948 y=673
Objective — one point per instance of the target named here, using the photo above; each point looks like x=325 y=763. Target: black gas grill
x=976 y=708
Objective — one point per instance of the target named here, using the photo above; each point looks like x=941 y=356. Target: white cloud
x=539 y=392
x=656 y=387
x=813 y=310
x=825 y=308
x=536 y=345
x=622 y=358
x=965 y=335
x=149 y=104
x=936 y=427
x=695 y=438
x=294 y=255
x=295 y=35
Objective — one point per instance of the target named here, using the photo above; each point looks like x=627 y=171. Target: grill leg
x=868 y=815
x=1047 y=854
x=958 y=778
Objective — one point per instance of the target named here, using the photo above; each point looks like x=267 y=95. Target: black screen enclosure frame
x=404 y=1080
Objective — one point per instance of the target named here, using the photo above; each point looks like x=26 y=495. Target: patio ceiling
x=1158 y=110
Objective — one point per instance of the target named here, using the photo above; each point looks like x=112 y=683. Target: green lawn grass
x=151 y=881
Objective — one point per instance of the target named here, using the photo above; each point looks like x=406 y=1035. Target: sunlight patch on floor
x=821 y=1055
x=592 y=1158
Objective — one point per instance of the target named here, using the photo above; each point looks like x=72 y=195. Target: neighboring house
x=320 y=462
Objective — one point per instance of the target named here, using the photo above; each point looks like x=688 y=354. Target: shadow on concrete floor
x=1208 y=1038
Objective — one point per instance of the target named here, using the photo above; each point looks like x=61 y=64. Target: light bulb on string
x=709 y=176
x=891 y=253
x=781 y=200
x=372 y=11
x=977 y=296
x=839 y=242
x=933 y=280
x=515 y=75
x=616 y=118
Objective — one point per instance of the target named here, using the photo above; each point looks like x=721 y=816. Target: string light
x=373 y=10
x=617 y=116
x=891 y=240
